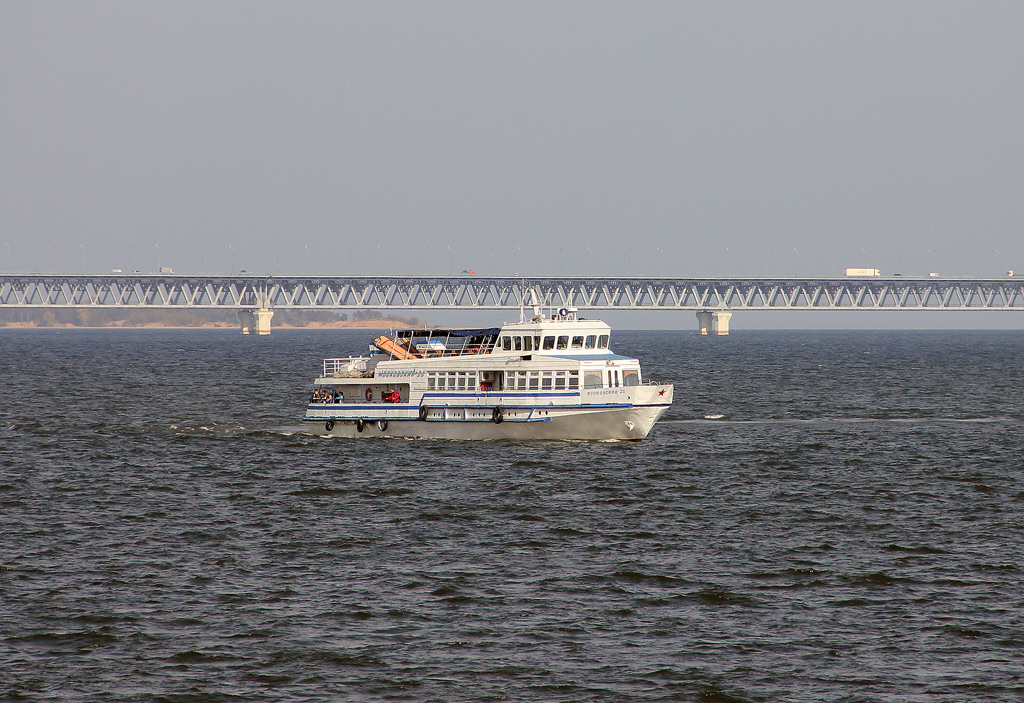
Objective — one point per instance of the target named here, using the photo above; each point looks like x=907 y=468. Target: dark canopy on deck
x=445 y=332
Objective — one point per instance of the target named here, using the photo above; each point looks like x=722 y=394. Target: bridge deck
x=503 y=292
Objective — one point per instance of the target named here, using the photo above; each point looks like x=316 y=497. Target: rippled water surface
x=822 y=516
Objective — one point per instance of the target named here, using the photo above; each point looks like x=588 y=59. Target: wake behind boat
x=550 y=377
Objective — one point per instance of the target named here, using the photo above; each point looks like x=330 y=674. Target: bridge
x=714 y=300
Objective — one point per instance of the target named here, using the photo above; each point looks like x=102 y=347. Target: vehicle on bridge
x=550 y=377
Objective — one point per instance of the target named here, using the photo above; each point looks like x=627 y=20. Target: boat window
x=462 y=381
x=527 y=343
x=534 y=380
x=506 y=343
x=560 y=380
x=442 y=381
x=563 y=342
x=631 y=377
x=591 y=341
x=545 y=381
x=536 y=342
x=516 y=380
x=592 y=379
x=549 y=342
x=431 y=381
x=574 y=380
x=602 y=342
x=577 y=342
x=517 y=343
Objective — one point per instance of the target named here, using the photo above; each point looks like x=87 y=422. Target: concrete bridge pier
x=715 y=322
x=263 y=316
x=255 y=321
x=246 y=321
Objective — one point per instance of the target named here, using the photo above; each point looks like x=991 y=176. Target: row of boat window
x=558 y=380
x=534 y=380
x=542 y=380
x=514 y=380
x=611 y=378
x=451 y=380
x=554 y=342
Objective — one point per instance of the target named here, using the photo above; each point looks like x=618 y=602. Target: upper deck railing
x=507 y=292
x=349 y=364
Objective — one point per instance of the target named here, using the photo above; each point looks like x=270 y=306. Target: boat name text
x=396 y=373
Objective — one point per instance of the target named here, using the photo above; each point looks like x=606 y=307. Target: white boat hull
x=618 y=423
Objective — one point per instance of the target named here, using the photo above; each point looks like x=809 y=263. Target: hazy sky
x=544 y=138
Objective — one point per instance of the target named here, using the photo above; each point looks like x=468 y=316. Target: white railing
x=347 y=364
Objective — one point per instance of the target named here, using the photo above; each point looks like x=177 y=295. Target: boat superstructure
x=549 y=377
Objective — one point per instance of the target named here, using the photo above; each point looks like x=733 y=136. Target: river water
x=822 y=516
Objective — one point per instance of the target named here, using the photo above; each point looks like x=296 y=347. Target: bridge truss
x=463 y=292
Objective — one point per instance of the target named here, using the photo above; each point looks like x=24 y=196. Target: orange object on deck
x=395 y=349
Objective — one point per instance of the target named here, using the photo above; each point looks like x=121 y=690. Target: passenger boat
x=553 y=376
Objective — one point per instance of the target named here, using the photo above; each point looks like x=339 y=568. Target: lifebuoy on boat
x=423 y=413
x=329 y=425
x=563 y=312
x=368 y=395
x=360 y=424
x=497 y=415
x=382 y=424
